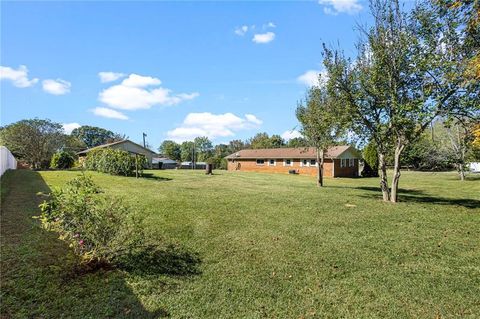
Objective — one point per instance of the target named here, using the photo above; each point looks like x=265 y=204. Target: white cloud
x=18 y=77
x=335 y=7
x=69 y=127
x=271 y=25
x=56 y=87
x=252 y=118
x=212 y=125
x=132 y=94
x=109 y=76
x=109 y=113
x=241 y=30
x=135 y=80
x=263 y=37
x=311 y=77
x=288 y=135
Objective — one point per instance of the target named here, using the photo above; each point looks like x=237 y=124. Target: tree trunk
x=320 y=158
x=396 y=172
x=383 y=177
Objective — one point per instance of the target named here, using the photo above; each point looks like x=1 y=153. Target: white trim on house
x=351 y=162
x=285 y=162
x=262 y=163
x=270 y=163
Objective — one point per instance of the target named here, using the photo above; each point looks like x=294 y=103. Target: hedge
x=114 y=162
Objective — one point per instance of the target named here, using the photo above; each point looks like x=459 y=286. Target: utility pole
x=193 y=156
x=144 y=135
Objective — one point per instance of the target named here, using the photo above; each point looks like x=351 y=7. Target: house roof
x=111 y=144
x=298 y=152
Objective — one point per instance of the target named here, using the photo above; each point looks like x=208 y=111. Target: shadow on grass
x=171 y=260
x=154 y=177
x=418 y=196
x=36 y=266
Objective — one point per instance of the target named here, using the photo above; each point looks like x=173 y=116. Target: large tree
x=170 y=149
x=187 y=151
x=203 y=148
x=93 y=136
x=322 y=123
x=236 y=145
x=34 y=141
x=409 y=70
x=260 y=140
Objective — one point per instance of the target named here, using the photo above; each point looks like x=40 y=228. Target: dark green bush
x=370 y=156
x=114 y=162
x=62 y=160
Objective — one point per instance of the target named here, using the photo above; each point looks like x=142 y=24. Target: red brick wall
x=349 y=171
x=248 y=165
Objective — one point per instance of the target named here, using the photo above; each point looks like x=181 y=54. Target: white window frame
x=343 y=162
x=304 y=162
x=285 y=162
x=310 y=163
x=260 y=159
x=274 y=162
x=351 y=162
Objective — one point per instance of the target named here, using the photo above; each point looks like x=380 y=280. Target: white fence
x=7 y=161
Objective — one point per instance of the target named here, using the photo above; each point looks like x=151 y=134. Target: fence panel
x=7 y=161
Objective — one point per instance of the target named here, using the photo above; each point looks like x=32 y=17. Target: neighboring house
x=164 y=163
x=125 y=145
x=188 y=165
x=340 y=161
x=474 y=167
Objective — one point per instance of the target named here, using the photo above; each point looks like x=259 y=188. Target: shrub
x=114 y=162
x=98 y=228
x=370 y=155
x=62 y=160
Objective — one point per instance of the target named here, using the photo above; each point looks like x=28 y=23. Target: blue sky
x=173 y=70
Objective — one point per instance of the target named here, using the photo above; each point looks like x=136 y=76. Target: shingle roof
x=114 y=143
x=298 y=152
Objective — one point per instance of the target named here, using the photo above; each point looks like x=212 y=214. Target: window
x=313 y=163
x=304 y=162
x=343 y=162
x=287 y=162
x=272 y=162
x=260 y=162
x=351 y=162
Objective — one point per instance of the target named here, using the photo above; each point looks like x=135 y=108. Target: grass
x=271 y=246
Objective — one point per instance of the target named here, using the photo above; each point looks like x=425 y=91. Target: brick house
x=340 y=161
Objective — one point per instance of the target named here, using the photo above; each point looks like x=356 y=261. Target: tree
x=34 y=141
x=93 y=136
x=297 y=142
x=276 y=141
x=219 y=153
x=203 y=148
x=235 y=146
x=370 y=156
x=186 y=151
x=62 y=160
x=408 y=72
x=260 y=140
x=459 y=141
x=171 y=150
x=321 y=124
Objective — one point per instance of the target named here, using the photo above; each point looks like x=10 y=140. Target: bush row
x=114 y=162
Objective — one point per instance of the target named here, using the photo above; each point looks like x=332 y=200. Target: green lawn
x=271 y=246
